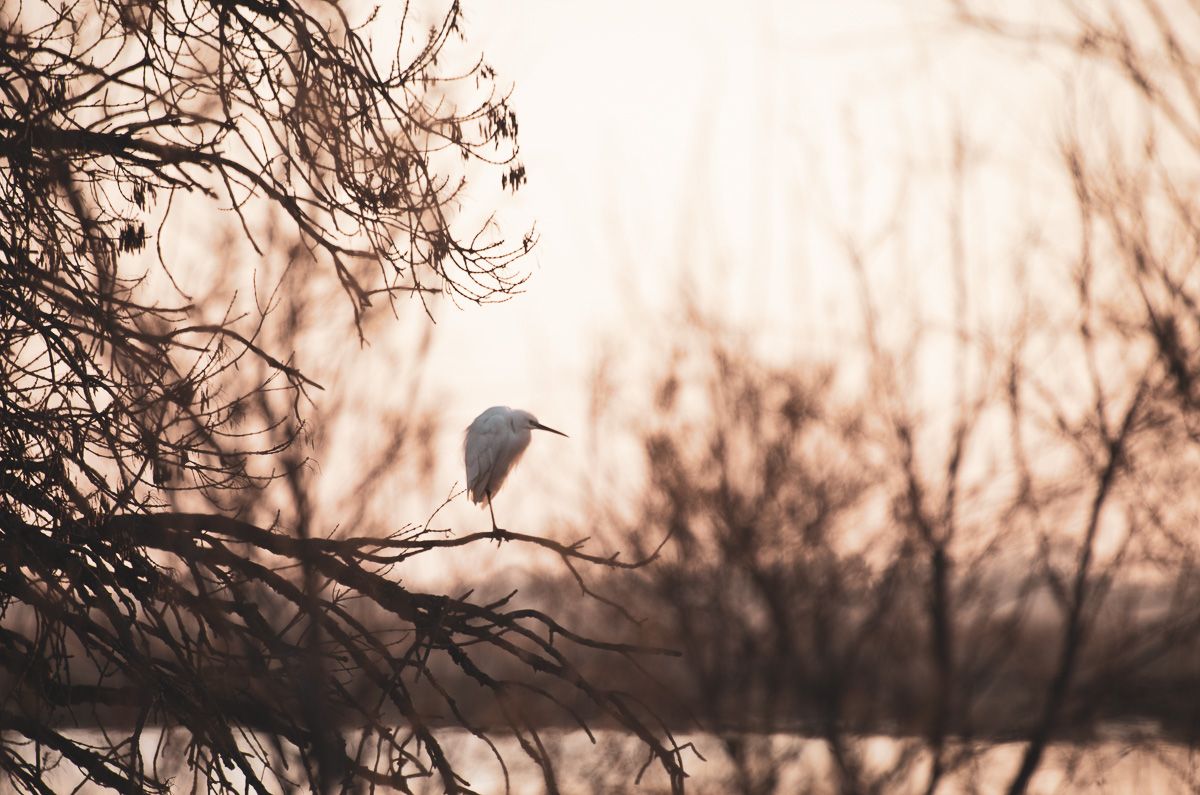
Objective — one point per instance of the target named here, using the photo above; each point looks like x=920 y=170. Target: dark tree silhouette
x=140 y=638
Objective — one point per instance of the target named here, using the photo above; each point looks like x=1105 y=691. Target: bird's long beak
x=541 y=427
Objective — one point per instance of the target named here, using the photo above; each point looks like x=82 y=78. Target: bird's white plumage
x=494 y=443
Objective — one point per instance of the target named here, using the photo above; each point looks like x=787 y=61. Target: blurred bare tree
x=156 y=615
x=846 y=565
x=1131 y=164
x=988 y=541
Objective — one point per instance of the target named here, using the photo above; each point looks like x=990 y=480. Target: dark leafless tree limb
x=284 y=656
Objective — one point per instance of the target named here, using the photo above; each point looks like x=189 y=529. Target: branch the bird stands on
x=159 y=624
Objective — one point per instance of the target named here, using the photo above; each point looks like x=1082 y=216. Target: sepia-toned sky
x=720 y=148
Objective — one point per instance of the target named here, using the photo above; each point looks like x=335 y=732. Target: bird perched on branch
x=494 y=443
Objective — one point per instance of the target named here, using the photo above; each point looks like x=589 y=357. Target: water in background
x=1124 y=763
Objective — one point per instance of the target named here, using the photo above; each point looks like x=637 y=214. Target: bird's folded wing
x=482 y=446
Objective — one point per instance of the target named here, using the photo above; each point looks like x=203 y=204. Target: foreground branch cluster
x=275 y=685
x=142 y=644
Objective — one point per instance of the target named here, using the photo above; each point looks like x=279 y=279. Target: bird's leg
x=498 y=532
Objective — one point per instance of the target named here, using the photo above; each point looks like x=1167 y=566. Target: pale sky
x=719 y=140
x=719 y=148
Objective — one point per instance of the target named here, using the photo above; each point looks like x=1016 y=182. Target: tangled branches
x=109 y=105
x=224 y=643
x=121 y=393
x=110 y=109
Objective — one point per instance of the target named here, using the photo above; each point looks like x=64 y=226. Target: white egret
x=494 y=443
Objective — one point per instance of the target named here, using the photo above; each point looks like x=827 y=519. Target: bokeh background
x=874 y=328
